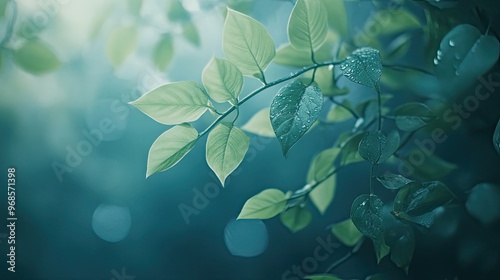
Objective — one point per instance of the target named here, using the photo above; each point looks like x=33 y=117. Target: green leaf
x=337 y=17
x=401 y=21
x=412 y=81
x=260 y=124
x=226 y=148
x=307 y=26
x=393 y=181
x=398 y=47
x=163 y=52
x=264 y=205
x=483 y=203
x=190 y=33
x=339 y=113
x=223 y=80
x=350 y=152
x=347 y=233
x=322 y=277
x=3 y=7
x=377 y=147
x=431 y=168
x=174 y=103
x=322 y=164
x=496 y=138
x=170 y=147
x=418 y=198
x=289 y=56
x=293 y=111
x=122 y=42
x=296 y=218
x=36 y=57
x=364 y=67
x=464 y=54
x=177 y=13
x=134 y=6
x=381 y=249
x=402 y=249
x=323 y=194
x=413 y=116
x=366 y=214
x=247 y=44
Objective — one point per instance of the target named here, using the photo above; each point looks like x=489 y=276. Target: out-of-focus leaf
x=36 y=57
x=163 y=52
x=122 y=42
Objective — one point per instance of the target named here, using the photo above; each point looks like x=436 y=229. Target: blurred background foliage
x=67 y=65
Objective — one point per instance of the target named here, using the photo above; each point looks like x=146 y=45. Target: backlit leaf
x=122 y=42
x=223 y=80
x=260 y=124
x=296 y=218
x=347 y=233
x=163 y=52
x=264 y=205
x=36 y=57
x=307 y=26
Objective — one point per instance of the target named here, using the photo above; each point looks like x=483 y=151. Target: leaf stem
x=10 y=26
x=349 y=254
x=264 y=87
x=404 y=67
x=379 y=100
x=372 y=169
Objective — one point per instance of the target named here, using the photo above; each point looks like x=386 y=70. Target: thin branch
x=264 y=87
x=349 y=254
x=407 y=67
x=379 y=117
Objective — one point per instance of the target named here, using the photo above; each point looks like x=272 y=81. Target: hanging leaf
x=393 y=181
x=264 y=205
x=170 y=148
x=464 y=54
x=223 y=80
x=322 y=277
x=190 y=33
x=483 y=203
x=322 y=196
x=307 y=26
x=337 y=17
x=347 y=233
x=247 y=44
x=174 y=103
x=322 y=164
x=377 y=147
x=496 y=138
x=122 y=42
x=260 y=124
x=400 y=238
x=163 y=52
x=289 y=56
x=418 y=198
x=35 y=57
x=366 y=214
x=381 y=249
x=226 y=148
x=413 y=116
x=349 y=153
x=293 y=111
x=364 y=67
x=296 y=218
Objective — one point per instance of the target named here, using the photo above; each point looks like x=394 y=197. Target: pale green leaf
x=170 y=148
x=293 y=111
x=190 y=33
x=122 y=42
x=176 y=12
x=322 y=164
x=350 y=147
x=322 y=277
x=347 y=233
x=307 y=26
x=260 y=124
x=264 y=205
x=322 y=195
x=289 y=56
x=338 y=113
x=36 y=57
x=400 y=21
x=3 y=7
x=247 y=44
x=174 y=103
x=296 y=218
x=325 y=79
x=163 y=52
x=337 y=17
x=223 y=80
x=364 y=67
x=134 y=6
x=226 y=148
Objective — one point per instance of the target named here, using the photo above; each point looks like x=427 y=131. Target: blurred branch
x=10 y=26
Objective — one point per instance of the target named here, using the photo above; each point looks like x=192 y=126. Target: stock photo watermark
x=454 y=117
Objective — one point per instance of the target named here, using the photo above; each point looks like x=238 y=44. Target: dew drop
x=436 y=61
x=452 y=43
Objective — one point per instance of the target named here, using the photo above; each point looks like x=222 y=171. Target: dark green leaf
x=170 y=148
x=366 y=214
x=464 y=54
x=296 y=218
x=393 y=181
x=496 y=138
x=347 y=233
x=418 y=198
x=412 y=116
x=307 y=26
x=293 y=111
x=377 y=147
x=322 y=277
x=264 y=205
x=247 y=44
x=226 y=148
x=430 y=167
x=364 y=67
x=35 y=57
x=163 y=52
x=483 y=203
x=381 y=249
x=174 y=103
